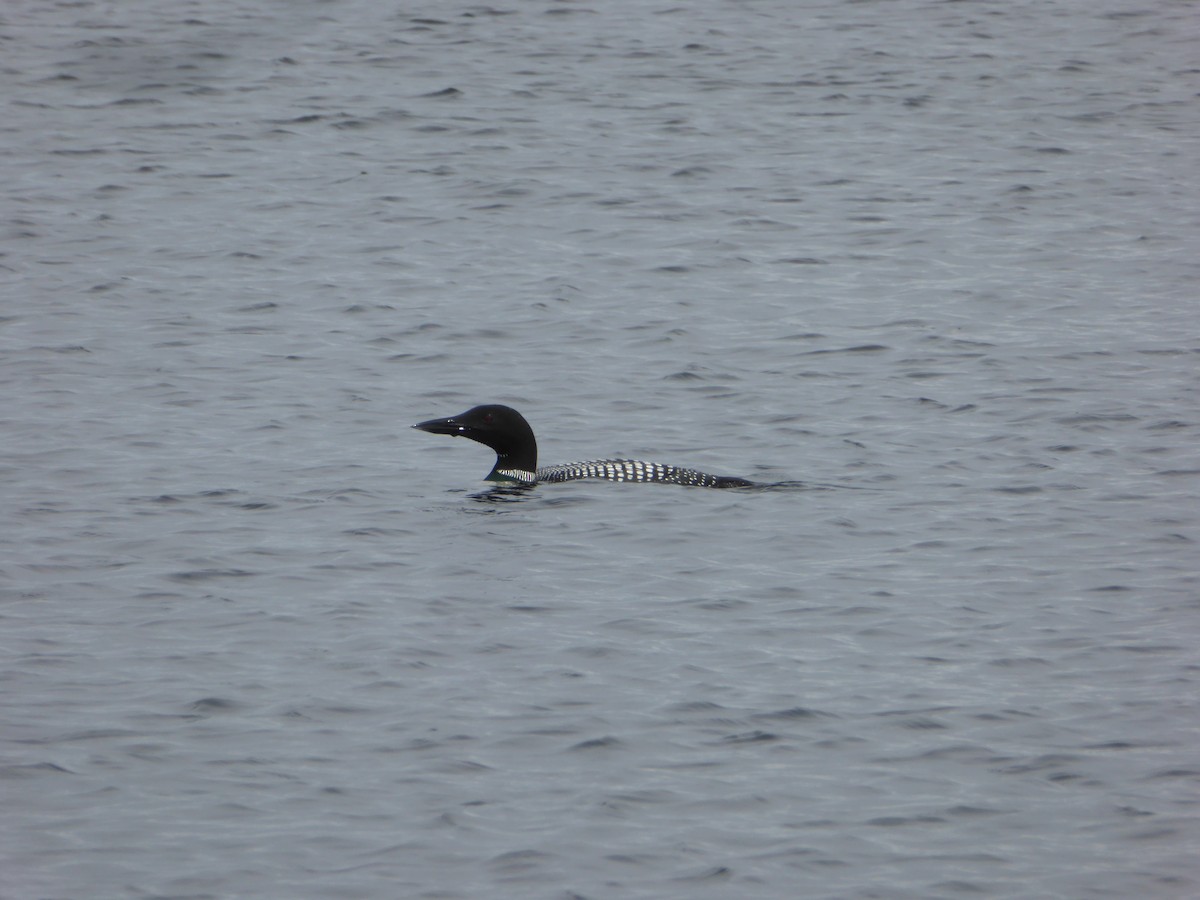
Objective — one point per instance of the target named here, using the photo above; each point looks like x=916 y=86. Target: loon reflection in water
x=505 y=430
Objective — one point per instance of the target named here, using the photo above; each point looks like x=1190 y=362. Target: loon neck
x=506 y=473
x=516 y=460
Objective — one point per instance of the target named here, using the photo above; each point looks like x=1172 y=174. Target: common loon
x=505 y=430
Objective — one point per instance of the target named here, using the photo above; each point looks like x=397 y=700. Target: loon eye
x=487 y=419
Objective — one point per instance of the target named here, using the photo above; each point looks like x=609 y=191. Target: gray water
x=936 y=260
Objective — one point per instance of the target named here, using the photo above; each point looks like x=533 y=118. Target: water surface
x=935 y=260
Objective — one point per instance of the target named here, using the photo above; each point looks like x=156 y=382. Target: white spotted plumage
x=634 y=470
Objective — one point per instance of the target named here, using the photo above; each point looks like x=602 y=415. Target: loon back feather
x=505 y=430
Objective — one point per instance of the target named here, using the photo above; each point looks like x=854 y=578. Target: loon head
x=500 y=427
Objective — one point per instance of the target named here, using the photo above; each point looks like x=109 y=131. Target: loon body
x=505 y=430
